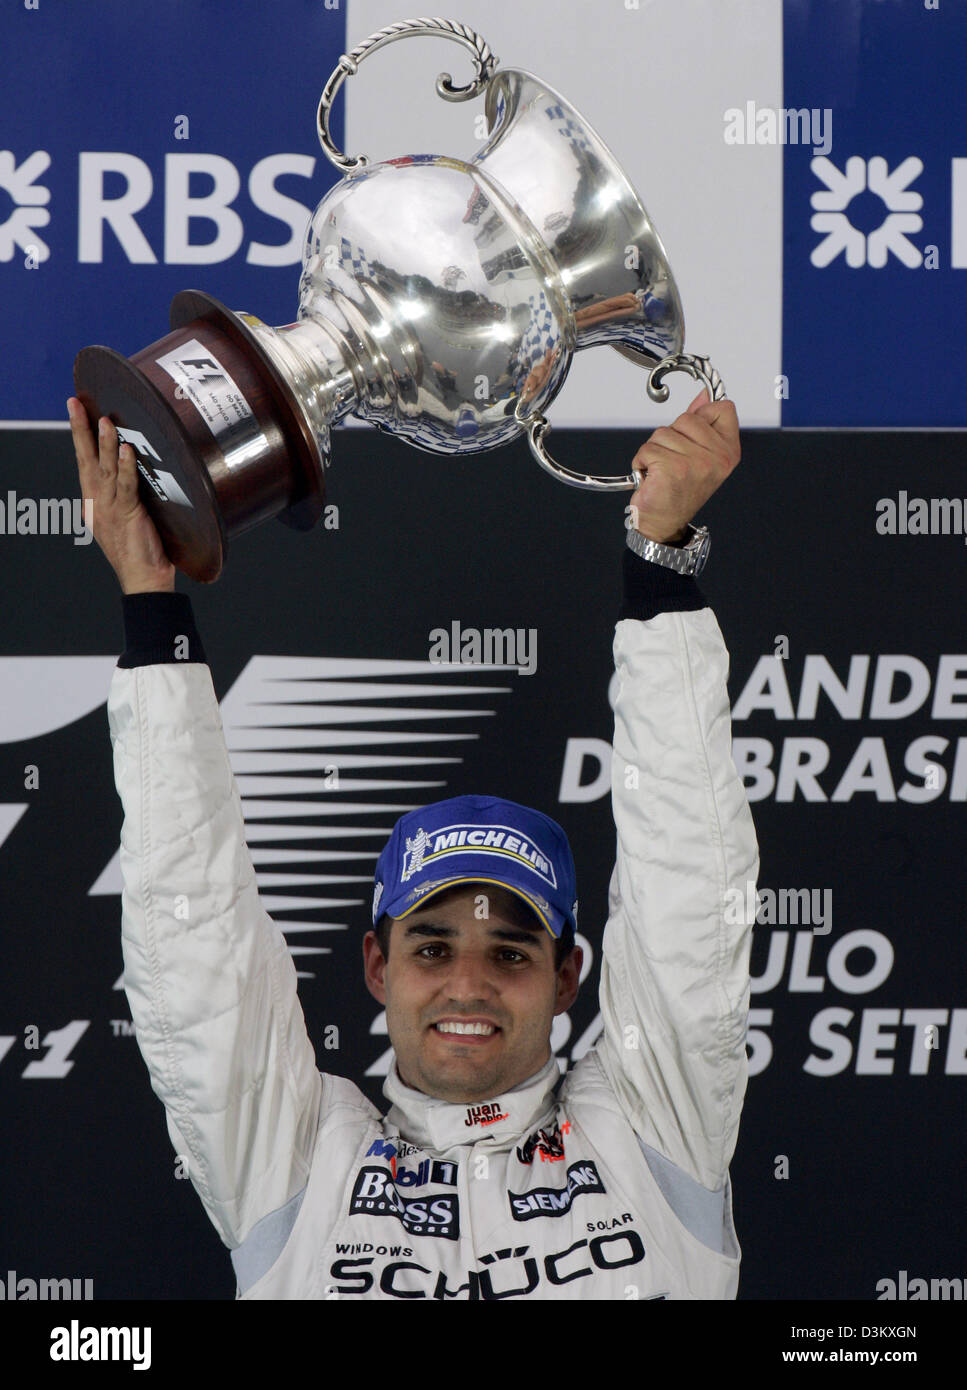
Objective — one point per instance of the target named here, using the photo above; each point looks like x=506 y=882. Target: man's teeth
x=482 y=1029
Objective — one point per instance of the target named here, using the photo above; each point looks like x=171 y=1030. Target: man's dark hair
x=563 y=945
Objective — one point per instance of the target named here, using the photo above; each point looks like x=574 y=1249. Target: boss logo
x=375 y=1194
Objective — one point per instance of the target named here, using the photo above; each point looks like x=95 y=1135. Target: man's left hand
x=681 y=465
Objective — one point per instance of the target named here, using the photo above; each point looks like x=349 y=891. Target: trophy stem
x=315 y=367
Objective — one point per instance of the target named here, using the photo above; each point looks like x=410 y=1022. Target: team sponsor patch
x=391 y=1148
x=511 y=1272
x=555 y=1201
x=428 y=1170
x=375 y=1194
x=548 y=1144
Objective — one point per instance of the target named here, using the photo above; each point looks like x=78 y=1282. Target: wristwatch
x=686 y=559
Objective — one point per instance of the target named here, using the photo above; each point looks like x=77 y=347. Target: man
x=487 y=1179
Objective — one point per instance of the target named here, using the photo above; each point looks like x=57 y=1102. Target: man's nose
x=470 y=977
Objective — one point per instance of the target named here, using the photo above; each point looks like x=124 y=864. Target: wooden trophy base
x=221 y=443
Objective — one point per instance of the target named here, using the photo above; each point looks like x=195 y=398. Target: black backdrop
x=874 y=1160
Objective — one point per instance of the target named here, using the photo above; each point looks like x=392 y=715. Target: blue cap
x=478 y=839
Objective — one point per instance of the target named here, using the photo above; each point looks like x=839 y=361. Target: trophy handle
x=698 y=367
x=349 y=63
x=537 y=425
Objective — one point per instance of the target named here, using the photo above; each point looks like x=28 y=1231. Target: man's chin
x=463 y=1080
x=465 y=1090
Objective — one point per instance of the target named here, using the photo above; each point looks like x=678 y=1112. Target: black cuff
x=159 y=627
x=650 y=589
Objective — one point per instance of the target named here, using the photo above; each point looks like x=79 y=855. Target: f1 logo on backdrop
x=40 y=695
x=99 y=210
x=59 y=1044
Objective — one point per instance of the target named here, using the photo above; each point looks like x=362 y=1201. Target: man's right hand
x=121 y=524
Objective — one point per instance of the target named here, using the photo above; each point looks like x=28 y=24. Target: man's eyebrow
x=428 y=929
x=524 y=935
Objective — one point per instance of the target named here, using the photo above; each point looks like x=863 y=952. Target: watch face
x=702 y=554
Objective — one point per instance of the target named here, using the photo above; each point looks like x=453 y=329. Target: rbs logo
x=119 y=212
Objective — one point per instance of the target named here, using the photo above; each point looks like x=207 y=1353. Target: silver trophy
x=441 y=299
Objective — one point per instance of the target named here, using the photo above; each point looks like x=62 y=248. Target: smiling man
x=470 y=987
x=489 y=1177
x=478 y=896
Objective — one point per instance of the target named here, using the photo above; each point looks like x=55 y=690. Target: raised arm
x=675 y=972
x=208 y=975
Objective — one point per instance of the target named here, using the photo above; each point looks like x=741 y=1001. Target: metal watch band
x=686 y=559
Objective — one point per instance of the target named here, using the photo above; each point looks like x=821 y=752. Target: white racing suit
x=615 y=1187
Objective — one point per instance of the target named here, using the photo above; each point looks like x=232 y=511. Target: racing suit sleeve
x=675 y=970
x=209 y=978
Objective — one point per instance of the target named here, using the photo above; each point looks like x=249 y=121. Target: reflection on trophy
x=441 y=299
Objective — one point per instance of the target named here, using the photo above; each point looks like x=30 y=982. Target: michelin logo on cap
x=424 y=849
x=477 y=839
